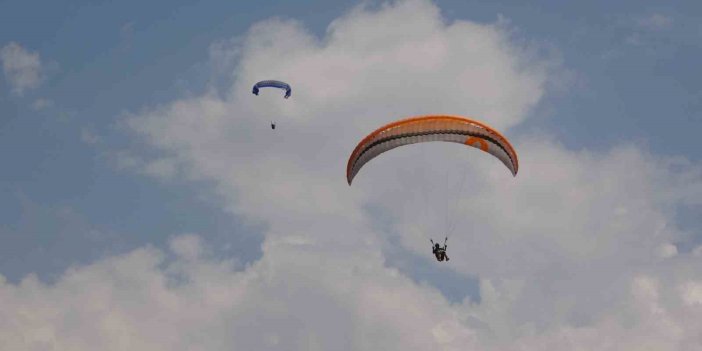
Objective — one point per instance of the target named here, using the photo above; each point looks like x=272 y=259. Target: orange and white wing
x=414 y=130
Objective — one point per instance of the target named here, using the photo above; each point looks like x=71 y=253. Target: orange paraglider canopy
x=421 y=129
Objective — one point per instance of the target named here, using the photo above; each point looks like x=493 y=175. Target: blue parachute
x=273 y=84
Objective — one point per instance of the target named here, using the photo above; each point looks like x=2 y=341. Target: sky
x=146 y=204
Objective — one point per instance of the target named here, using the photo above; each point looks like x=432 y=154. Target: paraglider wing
x=421 y=129
x=272 y=84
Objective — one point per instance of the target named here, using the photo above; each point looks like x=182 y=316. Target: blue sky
x=76 y=190
x=135 y=55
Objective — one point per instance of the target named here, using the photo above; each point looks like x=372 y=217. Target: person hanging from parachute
x=432 y=128
x=439 y=252
x=272 y=84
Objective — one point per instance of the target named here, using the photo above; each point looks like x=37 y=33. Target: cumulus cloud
x=655 y=22
x=141 y=301
x=42 y=104
x=22 y=68
x=301 y=297
x=126 y=35
x=165 y=168
x=577 y=252
x=648 y=29
x=88 y=136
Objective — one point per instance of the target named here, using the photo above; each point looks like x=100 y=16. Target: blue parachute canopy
x=273 y=84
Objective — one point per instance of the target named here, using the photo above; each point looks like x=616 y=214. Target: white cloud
x=299 y=296
x=88 y=136
x=655 y=22
x=648 y=29
x=22 y=68
x=568 y=253
x=692 y=293
x=138 y=302
x=667 y=250
x=126 y=34
x=42 y=104
x=164 y=168
x=127 y=29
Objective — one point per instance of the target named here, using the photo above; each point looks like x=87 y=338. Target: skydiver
x=272 y=125
x=439 y=252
